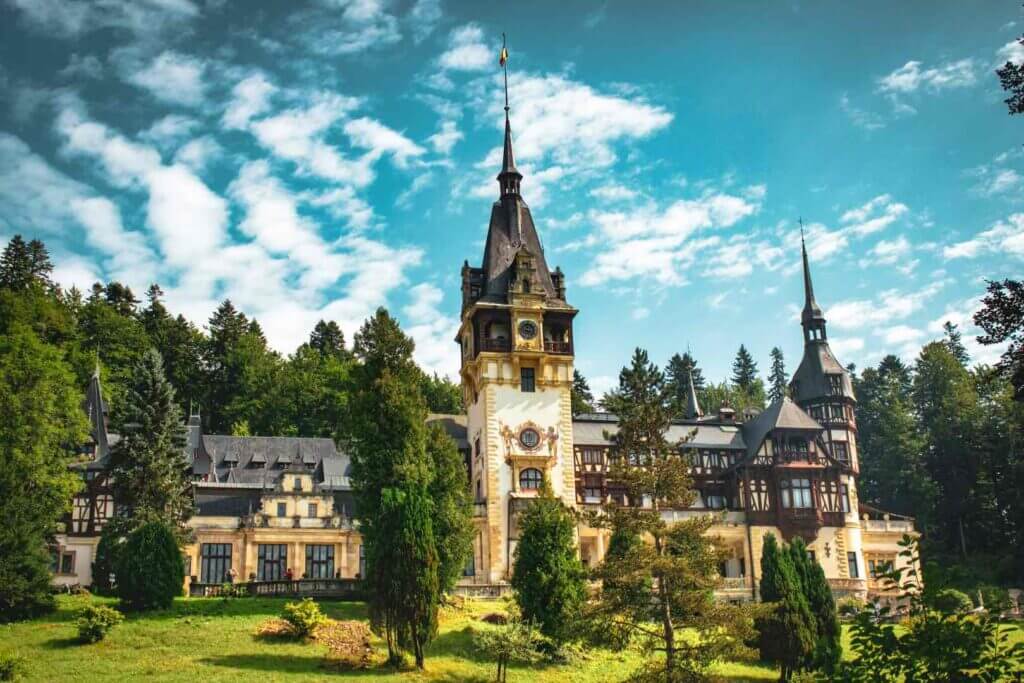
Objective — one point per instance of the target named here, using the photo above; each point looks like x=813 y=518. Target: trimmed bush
x=12 y=667
x=304 y=616
x=952 y=601
x=95 y=621
x=850 y=606
x=150 y=571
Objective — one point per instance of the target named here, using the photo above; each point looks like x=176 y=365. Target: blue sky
x=321 y=159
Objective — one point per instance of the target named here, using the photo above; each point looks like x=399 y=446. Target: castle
x=276 y=507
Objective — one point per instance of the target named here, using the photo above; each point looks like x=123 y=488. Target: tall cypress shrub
x=787 y=632
x=151 y=571
x=815 y=588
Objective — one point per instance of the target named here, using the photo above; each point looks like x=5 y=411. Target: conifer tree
x=954 y=342
x=777 y=379
x=453 y=514
x=582 y=397
x=822 y=605
x=548 y=577
x=744 y=370
x=148 y=465
x=1002 y=318
x=786 y=635
x=16 y=265
x=680 y=561
x=677 y=376
x=328 y=339
x=392 y=472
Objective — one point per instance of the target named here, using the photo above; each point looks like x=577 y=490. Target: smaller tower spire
x=812 y=319
x=693 y=410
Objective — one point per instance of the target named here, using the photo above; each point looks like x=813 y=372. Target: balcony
x=558 y=347
x=499 y=345
x=899 y=526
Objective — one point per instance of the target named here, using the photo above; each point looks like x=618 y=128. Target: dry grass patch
x=348 y=644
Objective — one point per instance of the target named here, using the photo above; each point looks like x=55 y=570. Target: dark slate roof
x=783 y=414
x=589 y=430
x=810 y=382
x=96 y=411
x=226 y=501
x=455 y=425
x=812 y=311
x=511 y=229
x=262 y=460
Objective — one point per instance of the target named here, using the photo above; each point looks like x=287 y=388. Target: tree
x=391 y=475
x=179 y=343
x=680 y=561
x=513 y=642
x=954 y=342
x=787 y=633
x=453 y=511
x=582 y=397
x=744 y=370
x=327 y=339
x=441 y=394
x=1011 y=78
x=677 y=377
x=1002 y=318
x=148 y=468
x=777 y=380
x=16 y=265
x=150 y=571
x=42 y=424
x=548 y=578
x=814 y=586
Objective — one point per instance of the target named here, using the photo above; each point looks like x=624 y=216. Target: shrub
x=12 y=667
x=850 y=606
x=952 y=601
x=95 y=621
x=514 y=642
x=304 y=616
x=150 y=571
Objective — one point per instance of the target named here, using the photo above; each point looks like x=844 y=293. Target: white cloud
x=444 y=140
x=466 y=51
x=961 y=314
x=861 y=118
x=70 y=18
x=648 y=242
x=198 y=153
x=1013 y=51
x=890 y=305
x=250 y=98
x=887 y=252
x=344 y=27
x=1006 y=237
x=911 y=77
x=379 y=139
x=432 y=331
x=900 y=334
x=172 y=78
x=876 y=215
x=845 y=346
x=170 y=130
x=130 y=256
x=423 y=17
x=614 y=193
x=997 y=177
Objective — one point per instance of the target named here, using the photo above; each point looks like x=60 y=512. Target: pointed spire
x=508 y=179
x=693 y=410
x=812 y=319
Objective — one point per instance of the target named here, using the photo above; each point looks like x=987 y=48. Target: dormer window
x=298 y=484
x=835 y=385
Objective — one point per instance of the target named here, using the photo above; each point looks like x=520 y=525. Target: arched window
x=530 y=479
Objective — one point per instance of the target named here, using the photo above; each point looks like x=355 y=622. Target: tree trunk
x=669 y=633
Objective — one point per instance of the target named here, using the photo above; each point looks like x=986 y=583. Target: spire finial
x=693 y=410
x=808 y=287
x=503 y=61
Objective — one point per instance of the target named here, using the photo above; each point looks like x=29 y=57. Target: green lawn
x=208 y=640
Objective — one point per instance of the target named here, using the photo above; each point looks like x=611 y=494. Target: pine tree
x=582 y=398
x=744 y=370
x=150 y=573
x=453 y=513
x=677 y=376
x=40 y=266
x=548 y=578
x=787 y=633
x=814 y=585
x=391 y=475
x=954 y=341
x=777 y=379
x=441 y=394
x=16 y=265
x=680 y=561
x=328 y=339
x=148 y=468
x=42 y=421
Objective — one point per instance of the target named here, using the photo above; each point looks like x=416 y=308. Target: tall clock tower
x=517 y=367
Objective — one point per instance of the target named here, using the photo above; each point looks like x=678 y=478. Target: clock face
x=527 y=329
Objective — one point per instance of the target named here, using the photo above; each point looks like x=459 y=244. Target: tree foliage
x=150 y=569
x=777 y=380
x=582 y=397
x=680 y=562
x=786 y=634
x=1002 y=318
x=548 y=577
x=1011 y=78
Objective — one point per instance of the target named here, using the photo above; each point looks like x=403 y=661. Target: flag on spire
x=503 y=57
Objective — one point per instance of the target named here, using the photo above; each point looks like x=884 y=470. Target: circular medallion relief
x=529 y=438
x=527 y=329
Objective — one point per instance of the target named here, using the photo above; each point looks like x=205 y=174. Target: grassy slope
x=210 y=640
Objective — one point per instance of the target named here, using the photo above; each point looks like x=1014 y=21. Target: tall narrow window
x=282 y=509
x=312 y=510
x=271 y=561
x=840 y=451
x=846 y=498
x=319 y=561
x=851 y=561
x=526 y=380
